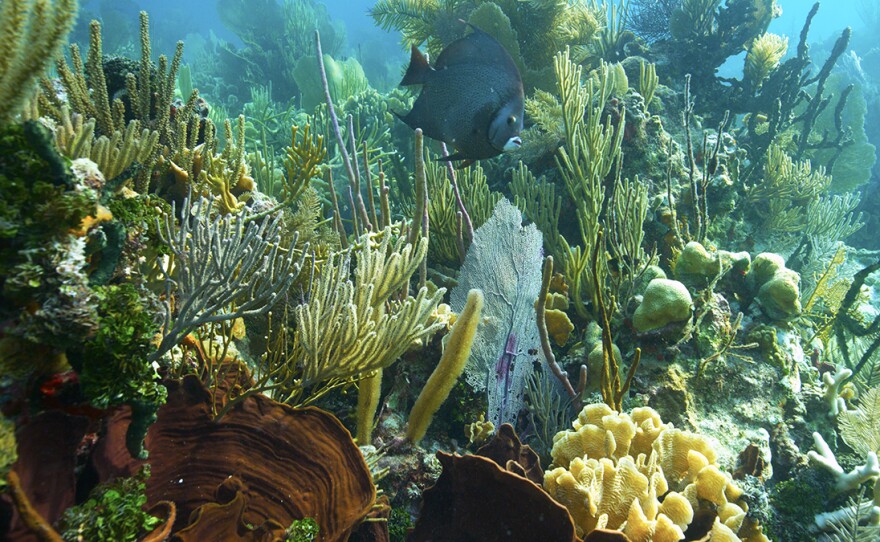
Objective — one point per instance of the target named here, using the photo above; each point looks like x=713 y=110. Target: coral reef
x=226 y=284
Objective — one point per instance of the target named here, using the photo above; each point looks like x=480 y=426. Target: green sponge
x=665 y=302
x=778 y=288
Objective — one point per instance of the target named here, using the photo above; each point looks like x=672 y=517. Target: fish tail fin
x=418 y=70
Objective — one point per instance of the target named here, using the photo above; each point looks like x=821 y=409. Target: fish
x=472 y=98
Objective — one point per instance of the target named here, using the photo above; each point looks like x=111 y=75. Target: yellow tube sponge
x=450 y=367
x=369 y=390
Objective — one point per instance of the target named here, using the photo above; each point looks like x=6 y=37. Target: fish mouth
x=512 y=144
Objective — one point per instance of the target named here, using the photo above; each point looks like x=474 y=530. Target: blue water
x=200 y=17
x=176 y=19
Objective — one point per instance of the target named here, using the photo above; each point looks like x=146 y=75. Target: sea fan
x=859 y=427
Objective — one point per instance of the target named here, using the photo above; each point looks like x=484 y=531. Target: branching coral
x=149 y=95
x=787 y=188
x=75 y=138
x=612 y=36
x=539 y=202
x=220 y=268
x=350 y=327
x=443 y=212
x=31 y=32
x=844 y=481
x=228 y=171
x=859 y=428
x=648 y=82
x=591 y=149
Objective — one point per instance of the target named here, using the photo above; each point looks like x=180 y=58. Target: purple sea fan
x=504 y=262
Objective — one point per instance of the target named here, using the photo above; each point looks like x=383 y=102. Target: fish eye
x=511 y=120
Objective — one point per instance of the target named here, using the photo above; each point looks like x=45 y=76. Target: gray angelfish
x=472 y=99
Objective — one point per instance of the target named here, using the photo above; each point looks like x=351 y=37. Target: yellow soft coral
x=764 y=56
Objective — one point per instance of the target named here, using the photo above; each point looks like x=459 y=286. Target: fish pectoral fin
x=457 y=156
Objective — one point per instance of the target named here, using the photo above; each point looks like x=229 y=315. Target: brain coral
x=612 y=468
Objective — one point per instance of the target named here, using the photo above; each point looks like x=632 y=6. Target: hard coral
x=627 y=462
x=665 y=302
x=777 y=287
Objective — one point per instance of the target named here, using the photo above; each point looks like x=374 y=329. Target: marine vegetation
x=284 y=310
x=276 y=37
x=532 y=32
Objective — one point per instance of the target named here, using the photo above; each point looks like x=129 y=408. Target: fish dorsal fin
x=418 y=71
x=478 y=47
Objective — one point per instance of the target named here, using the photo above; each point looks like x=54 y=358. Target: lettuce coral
x=611 y=471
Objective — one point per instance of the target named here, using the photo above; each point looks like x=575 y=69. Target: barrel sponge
x=665 y=302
